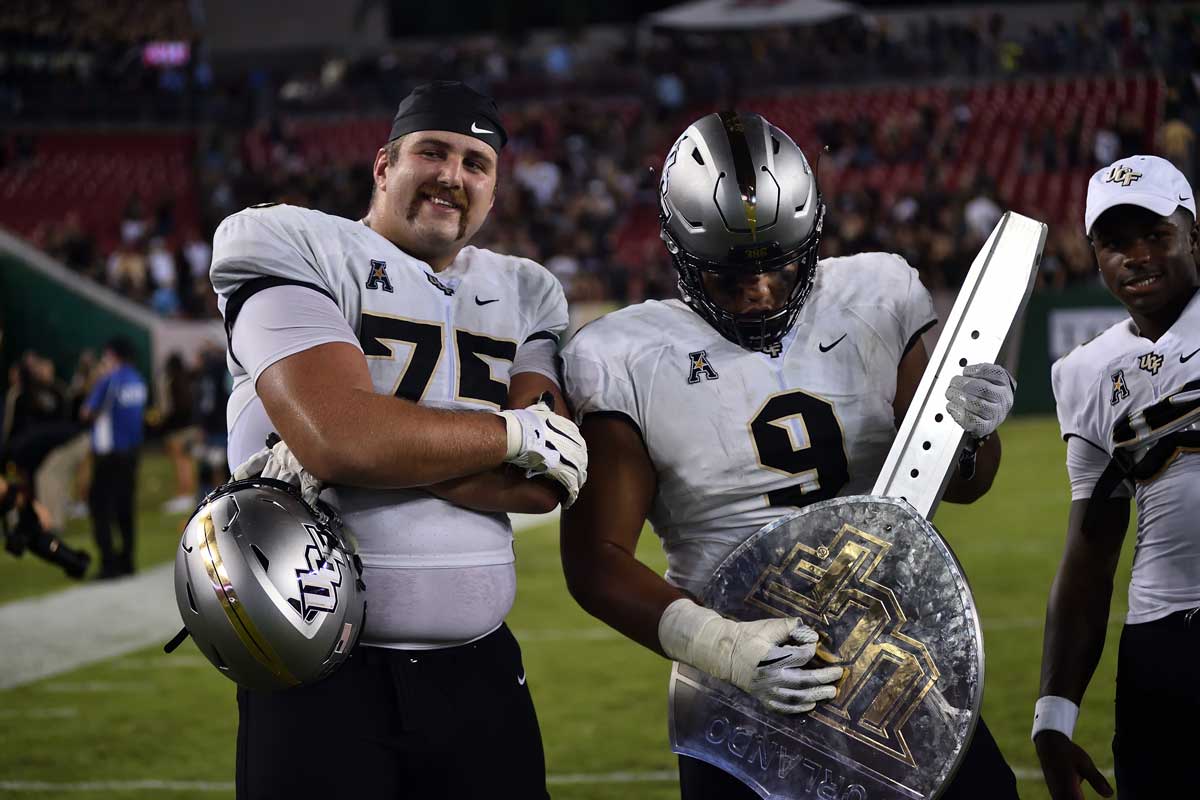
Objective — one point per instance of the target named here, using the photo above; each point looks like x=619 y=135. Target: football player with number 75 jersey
x=404 y=368
x=776 y=381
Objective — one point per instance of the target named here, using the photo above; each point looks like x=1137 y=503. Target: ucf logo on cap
x=1121 y=174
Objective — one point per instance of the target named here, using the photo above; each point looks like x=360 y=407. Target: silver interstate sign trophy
x=874 y=578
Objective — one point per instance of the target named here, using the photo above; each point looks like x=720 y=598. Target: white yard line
x=39 y=713
x=92 y=687
x=655 y=776
x=117 y=786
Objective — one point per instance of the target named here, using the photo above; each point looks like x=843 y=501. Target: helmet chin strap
x=176 y=640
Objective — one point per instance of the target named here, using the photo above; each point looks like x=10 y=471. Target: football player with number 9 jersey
x=776 y=381
x=415 y=375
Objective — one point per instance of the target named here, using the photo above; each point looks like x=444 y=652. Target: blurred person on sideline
x=62 y=479
x=115 y=410
x=181 y=435
x=34 y=399
x=41 y=426
x=1128 y=409
x=211 y=385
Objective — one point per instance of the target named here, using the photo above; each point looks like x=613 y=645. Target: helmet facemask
x=759 y=331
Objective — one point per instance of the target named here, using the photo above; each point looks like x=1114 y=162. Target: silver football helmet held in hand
x=269 y=587
x=737 y=198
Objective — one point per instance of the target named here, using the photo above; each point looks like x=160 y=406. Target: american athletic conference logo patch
x=379 y=277
x=1119 y=390
x=700 y=365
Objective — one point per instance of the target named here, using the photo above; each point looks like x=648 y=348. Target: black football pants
x=983 y=775
x=110 y=500
x=1158 y=702
x=454 y=723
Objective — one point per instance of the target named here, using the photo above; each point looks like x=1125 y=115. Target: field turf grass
x=601 y=699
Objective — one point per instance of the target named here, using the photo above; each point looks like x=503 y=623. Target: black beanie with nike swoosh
x=450 y=106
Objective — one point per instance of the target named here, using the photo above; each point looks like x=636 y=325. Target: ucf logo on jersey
x=1150 y=362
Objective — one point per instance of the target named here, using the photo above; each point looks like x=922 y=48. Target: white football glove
x=280 y=463
x=547 y=445
x=764 y=658
x=980 y=398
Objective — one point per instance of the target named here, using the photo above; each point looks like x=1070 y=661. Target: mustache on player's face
x=432 y=190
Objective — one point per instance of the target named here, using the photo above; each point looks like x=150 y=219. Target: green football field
x=149 y=725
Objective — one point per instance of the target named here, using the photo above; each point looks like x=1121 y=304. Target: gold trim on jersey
x=441 y=326
x=458 y=395
x=791 y=435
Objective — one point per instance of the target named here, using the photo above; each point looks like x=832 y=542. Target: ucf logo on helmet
x=319 y=583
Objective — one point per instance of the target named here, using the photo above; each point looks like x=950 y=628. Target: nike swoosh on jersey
x=479 y=302
x=476 y=129
x=825 y=349
x=521 y=680
x=1184 y=359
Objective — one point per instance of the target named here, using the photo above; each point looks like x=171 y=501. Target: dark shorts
x=454 y=723
x=983 y=775
x=1158 y=700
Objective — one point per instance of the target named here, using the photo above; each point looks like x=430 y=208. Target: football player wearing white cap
x=404 y=368
x=1129 y=408
x=776 y=381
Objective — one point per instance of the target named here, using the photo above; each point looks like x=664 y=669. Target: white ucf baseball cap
x=1147 y=181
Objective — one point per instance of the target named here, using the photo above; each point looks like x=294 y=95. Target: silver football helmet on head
x=737 y=197
x=269 y=587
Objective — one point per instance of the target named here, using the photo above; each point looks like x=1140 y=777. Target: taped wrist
x=516 y=436
x=697 y=636
x=1053 y=713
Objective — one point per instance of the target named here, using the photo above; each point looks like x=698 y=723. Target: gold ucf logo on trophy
x=888 y=673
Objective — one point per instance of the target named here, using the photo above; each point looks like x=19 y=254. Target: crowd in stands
x=83 y=61
x=152 y=260
x=590 y=119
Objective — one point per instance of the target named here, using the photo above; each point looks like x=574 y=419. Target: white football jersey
x=1120 y=391
x=739 y=438
x=437 y=573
